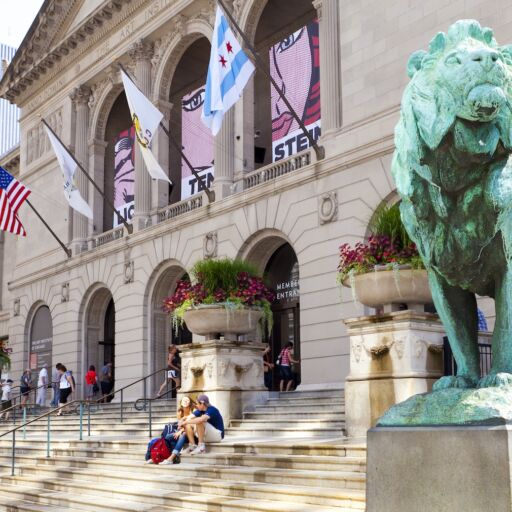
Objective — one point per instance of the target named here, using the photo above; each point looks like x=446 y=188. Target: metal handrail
x=81 y=404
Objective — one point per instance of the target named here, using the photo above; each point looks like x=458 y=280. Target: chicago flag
x=228 y=73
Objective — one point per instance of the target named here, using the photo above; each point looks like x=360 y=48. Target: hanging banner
x=197 y=143
x=124 y=175
x=295 y=66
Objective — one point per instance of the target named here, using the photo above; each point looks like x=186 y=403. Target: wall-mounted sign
x=40 y=353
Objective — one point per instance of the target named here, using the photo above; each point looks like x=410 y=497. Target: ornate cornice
x=37 y=55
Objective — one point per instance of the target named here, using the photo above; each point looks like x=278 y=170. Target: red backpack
x=159 y=451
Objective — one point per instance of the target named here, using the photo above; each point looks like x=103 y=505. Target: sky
x=16 y=19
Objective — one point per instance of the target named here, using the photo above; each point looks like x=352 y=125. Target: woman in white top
x=66 y=385
x=42 y=384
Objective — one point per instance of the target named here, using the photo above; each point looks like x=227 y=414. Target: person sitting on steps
x=185 y=411
x=207 y=424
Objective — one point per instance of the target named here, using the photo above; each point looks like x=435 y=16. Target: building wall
x=375 y=42
x=9 y=114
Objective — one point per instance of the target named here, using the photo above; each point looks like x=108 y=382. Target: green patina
x=453 y=170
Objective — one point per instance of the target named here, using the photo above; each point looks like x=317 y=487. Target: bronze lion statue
x=453 y=171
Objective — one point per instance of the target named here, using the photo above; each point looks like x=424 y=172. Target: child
x=6 y=399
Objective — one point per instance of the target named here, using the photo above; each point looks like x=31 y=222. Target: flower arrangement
x=234 y=284
x=389 y=245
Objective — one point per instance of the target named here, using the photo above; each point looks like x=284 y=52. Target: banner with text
x=295 y=66
x=124 y=175
x=197 y=143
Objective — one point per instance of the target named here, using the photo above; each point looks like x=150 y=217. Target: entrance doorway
x=108 y=343
x=282 y=273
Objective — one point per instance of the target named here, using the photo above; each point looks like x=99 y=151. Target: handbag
x=95 y=388
x=278 y=360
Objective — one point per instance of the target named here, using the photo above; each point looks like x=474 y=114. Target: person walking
x=66 y=386
x=106 y=382
x=285 y=361
x=173 y=369
x=207 y=424
x=55 y=387
x=25 y=386
x=91 y=383
x=268 y=366
x=6 y=399
x=42 y=385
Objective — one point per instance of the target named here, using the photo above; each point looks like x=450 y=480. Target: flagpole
x=66 y=250
x=200 y=184
x=128 y=227
x=319 y=150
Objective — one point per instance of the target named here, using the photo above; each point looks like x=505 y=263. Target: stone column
x=160 y=189
x=80 y=97
x=330 y=68
x=225 y=156
x=141 y=52
x=97 y=150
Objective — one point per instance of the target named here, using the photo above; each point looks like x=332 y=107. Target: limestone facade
x=66 y=72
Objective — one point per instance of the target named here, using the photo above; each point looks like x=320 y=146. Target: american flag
x=12 y=195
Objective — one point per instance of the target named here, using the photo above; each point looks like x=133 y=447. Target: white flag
x=146 y=118
x=68 y=167
x=228 y=73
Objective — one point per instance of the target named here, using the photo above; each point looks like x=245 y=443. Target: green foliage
x=386 y=221
x=220 y=274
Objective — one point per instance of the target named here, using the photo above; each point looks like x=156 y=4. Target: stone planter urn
x=211 y=320
x=391 y=287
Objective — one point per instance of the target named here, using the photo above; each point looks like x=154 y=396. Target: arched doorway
x=187 y=94
x=100 y=331
x=41 y=340
x=282 y=274
x=162 y=333
x=287 y=38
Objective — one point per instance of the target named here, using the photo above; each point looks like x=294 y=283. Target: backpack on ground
x=159 y=451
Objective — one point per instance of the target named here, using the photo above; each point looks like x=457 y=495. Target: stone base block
x=368 y=400
x=439 y=469
x=230 y=373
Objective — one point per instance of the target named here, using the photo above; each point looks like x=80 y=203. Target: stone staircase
x=288 y=455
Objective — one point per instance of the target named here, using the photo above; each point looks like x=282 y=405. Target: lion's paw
x=495 y=380
x=454 y=381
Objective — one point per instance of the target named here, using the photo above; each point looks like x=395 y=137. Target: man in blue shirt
x=207 y=425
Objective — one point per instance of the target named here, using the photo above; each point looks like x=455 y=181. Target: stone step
x=167 y=501
x=18 y=505
x=190 y=469
x=156 y=489
x=152 y=478
x=296 y=400
x=290 y=433
x=316 y=393
x=283 y=408
x=318 y=462
x=293 y=416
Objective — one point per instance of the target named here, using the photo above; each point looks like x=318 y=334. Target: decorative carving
x=209 y=369
x=328 y=207
x=81 y=95
x=141 y=50
x=210 y=245
x=129 y=272
x=237 y=8
x=357 y=349
x=435 y=349
x=241 y=369
x=197 y=371
x=64 y=292
x=317 y=4
x=184 y=375
x=400 y=347
x=16 y=307
x=379 y=350
x=223 y=367
x=37 y=141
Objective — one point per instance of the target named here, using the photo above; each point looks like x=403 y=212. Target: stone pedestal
x=392 y=357
x=229 y=372
x=439 y=469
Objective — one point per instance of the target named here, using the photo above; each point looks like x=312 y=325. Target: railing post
x=145 y=393
x=13 y=451
x=24 y=422
x=121 y=406
x=89 y=421
x=48 y=430
x=81 y=421
x=150 y=420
